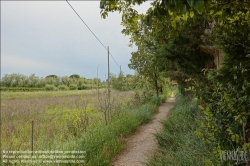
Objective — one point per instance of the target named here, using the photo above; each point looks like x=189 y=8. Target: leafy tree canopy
x=52 y=75
x=75 y=76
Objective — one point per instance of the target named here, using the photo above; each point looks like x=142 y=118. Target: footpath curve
x=141 y=145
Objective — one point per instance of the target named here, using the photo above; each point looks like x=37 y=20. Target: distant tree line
x=123 y=83
x=120 y=82
x=137 y=82
x=73 y=82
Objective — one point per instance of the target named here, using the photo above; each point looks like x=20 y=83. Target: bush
x=158 y=100
x=63 y=87
x=146 y=95
x=25 y=89
x=155 y=101
x=73 y=87
x=84 y=86
x=76 y=121
x=224 y=110
x=49 y=87
x=154 y=109
x=163 y=98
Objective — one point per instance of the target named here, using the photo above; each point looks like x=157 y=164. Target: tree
x=18 y=80
x=32 y=80
x=74 y=76
x=179 y=14
x=66 y=80
x=180 y=37
x=52 y=75
x=96 y=81
x=118 y=82
x=7 y=80
x=14 y=80
x=143 y=63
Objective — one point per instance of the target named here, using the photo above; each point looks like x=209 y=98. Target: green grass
x=55 y=118
x=102 y=143
x=60 y=124
x=178 y=144
x=5 y=95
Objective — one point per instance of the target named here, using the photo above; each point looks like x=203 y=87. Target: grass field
x=54 y=116
x=68 y=120
x=5 y=95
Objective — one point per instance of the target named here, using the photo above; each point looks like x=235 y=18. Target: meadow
x=69 y=120
x=5 y=95
x=56 y=115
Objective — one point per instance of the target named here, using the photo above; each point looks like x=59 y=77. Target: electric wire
x=92 y=32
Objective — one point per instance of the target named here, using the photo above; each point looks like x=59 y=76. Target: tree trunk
x=156 y=85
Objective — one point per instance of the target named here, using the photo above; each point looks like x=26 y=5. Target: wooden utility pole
x=109 y=113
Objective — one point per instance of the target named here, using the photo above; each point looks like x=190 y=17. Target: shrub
x=154 y=109
x=146 y=95
x=49 y=87
x=25 y=89
x=63 y=87
x=163 y=98
x=73 y=87
x=224 y=110
x=76 y=121
x=155 y=101
x=136 y=99
x=84 y=86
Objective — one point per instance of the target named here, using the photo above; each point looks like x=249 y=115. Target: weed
x=178 y=143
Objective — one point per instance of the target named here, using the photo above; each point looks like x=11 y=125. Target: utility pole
x=109 y=113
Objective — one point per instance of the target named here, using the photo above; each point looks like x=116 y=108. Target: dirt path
x=142 y=144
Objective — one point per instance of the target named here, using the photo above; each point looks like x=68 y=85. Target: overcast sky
x=46 y=38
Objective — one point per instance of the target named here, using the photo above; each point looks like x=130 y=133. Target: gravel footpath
x=142 y=144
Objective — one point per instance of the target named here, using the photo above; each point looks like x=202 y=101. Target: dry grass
x=57 y=119
x=5 y=95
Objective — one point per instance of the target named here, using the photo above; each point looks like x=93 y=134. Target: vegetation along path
x=142 y=144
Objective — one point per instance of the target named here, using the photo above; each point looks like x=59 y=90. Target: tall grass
x=73 y=123
x=5 y=95
x=102 y=143
x=178 y=144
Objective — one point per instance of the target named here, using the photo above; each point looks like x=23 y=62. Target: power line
x=113 y=59
x=92 y=32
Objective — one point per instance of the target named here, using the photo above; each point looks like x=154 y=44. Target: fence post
x=32 y=137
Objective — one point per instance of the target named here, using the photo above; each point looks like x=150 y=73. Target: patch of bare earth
x=142 y=144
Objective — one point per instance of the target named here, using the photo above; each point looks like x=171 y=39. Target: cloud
x=9 y=62
x=45 y=38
